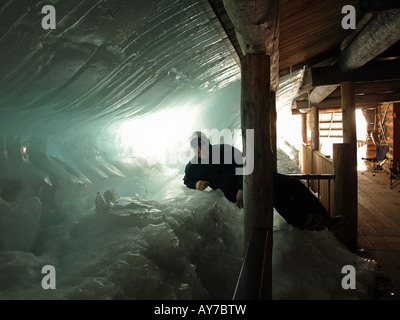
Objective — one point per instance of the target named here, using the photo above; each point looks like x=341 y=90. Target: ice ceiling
x=113 y=81
x=108 y=62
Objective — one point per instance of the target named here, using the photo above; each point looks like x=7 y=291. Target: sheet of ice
x=308 y=265
x=186 y=247
x=169 y=243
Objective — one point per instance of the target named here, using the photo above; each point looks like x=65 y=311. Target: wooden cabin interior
x=345 y=71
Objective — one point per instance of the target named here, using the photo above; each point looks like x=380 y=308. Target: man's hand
x=201 y=185
x=239 y=198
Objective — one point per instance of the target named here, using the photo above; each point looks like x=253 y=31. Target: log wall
x=385 y=132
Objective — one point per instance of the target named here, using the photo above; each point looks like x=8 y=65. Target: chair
x=380 y=158
x=394 y=174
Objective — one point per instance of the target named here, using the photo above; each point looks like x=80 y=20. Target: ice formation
x=165 y=241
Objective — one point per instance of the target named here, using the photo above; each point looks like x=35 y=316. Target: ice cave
x=101 y=107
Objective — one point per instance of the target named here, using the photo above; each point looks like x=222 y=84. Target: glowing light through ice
x=162 y=136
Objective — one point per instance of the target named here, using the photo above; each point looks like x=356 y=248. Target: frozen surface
x=165 y=241
x=94 y=121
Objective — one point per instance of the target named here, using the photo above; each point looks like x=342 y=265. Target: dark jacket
x=221 y=175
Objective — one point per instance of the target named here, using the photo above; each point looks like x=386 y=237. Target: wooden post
x=350 y=131
x=256 y=25
x=309 y=126
x=347 y=203
x=345 y=193
x=314 y=135
x=345 y=166
x=349 y=117
x=314 y=129
x=273 y=131
x=304 y=127
x=396 y=131
x=258 y=186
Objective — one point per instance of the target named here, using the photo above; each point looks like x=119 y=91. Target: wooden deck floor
x=379 y=225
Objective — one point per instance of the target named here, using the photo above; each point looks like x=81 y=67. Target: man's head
x=199 y=144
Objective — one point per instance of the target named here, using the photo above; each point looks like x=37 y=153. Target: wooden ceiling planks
x=310 y=28
x=310 y=35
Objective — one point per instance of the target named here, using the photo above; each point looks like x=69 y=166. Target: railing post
x=251 y=279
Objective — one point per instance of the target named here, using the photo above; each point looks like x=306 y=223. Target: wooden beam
x=320 y=93
x=380 y=33
x=335 y=103
x=257 y=30
x=330 y=129
x=371 y=88
x=360 y=25
x=329 y=110
x=379 y=71
x=331 y=135
x=373 y=6
x=219 y=17
x=361 y=100
x=300 y=104
x=378 y=87
x=258 y=188
x=345 y=194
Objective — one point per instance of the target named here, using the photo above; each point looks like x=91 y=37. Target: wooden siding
x=317 y=163
x=380 y=119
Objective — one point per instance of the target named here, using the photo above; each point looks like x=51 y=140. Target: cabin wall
x=380 y=120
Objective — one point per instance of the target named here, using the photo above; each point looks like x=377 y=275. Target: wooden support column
x=256 y=111
x=304 y=127
x=257 y=30
x=304 y=138
x=349 y=116
x=314 y=129
x=345 y=189
x=396 y=131
x=273 y=131
x=345 y=165
x=314 y=134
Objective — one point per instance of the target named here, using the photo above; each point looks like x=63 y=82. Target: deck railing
x=250 y=282
x=313 y=183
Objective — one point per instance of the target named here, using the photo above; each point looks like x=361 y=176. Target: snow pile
x=187 y=247
x=308 y=265
x=164 y=242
